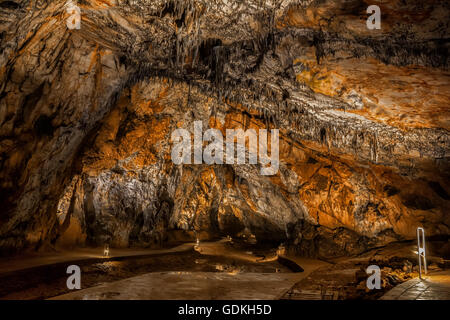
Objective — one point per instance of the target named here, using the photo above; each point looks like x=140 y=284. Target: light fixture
x=106 y=250
x=281 y=251
x=197 y=245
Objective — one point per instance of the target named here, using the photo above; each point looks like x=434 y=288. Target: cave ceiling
x=86 y=117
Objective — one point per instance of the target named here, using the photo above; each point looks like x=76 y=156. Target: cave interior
x=87 y=116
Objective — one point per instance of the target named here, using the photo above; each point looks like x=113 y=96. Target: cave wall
x=130 y=192
x=86 y=117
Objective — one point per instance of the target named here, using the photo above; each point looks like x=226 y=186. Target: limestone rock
x=86 y=118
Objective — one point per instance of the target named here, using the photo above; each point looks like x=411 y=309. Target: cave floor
x=433 y=286
x=213 y=270
x=203 y=285
x=191 y=286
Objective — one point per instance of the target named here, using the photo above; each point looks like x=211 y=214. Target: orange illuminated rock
x=86 y=118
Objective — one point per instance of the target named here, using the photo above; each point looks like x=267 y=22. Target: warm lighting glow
x=106 y=250
x=197 y=245
x=281 y=250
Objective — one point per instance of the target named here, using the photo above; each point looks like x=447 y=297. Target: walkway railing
x=421 y=250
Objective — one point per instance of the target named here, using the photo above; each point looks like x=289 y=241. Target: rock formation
x=86 y=117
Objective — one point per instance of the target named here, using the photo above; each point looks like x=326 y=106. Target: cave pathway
x=434 y=286
x=32 y=260
x=182 y=285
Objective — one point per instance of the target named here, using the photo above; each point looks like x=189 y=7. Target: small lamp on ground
x=106 y=250
x=197 y=245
